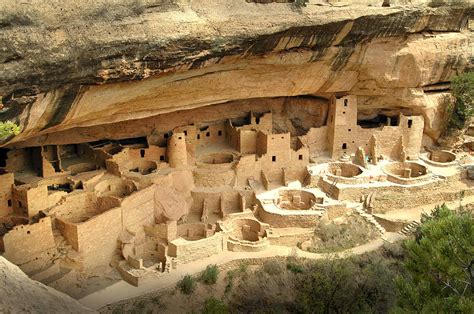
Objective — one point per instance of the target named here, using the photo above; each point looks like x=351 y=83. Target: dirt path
x=122 y=290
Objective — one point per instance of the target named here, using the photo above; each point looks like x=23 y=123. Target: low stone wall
x=187 y=251
x=390 y=225
x=290 y=238
x=293 y=218
x=238 y=245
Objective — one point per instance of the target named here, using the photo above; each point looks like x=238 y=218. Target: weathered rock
x=20 y=294
x=163 y=56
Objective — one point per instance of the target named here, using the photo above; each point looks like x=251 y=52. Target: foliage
x=331 y=237
x=294 y=267
x=440 y=261
x=8 y=128
x=346 y=286
x=214 y=306
x=461 y=111
x=243 y=267
x=230 y=281
x=187 y=285
x=272 y=267
x=300 y=3
x=210 y=274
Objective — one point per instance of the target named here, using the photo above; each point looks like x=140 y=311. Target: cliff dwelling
x=197 y=150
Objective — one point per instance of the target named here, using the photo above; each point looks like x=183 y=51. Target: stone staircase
x=410 y=228
x=332 y=191
x=371 y=219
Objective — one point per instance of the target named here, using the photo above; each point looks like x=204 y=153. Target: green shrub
x=8 y=128
x=294 y=268
x=439 y=263
x=461 y=111
x=272 y=267
x=214 y=306
x=187 y=285
x=210 y=274
x=230 y=281
x=243 y=267
x=300 y=3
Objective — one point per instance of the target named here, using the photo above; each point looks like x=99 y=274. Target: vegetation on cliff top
x=8 y=128
x=462 y=109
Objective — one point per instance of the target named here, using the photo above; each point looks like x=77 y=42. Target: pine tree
x=440 y=263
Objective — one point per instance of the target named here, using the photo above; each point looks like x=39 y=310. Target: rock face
x=83 y=69
x=20 y=294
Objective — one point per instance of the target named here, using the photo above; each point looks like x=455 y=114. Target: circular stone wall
x=344 y=169
x=406 y=172
x=296 y=200
x=442 y=156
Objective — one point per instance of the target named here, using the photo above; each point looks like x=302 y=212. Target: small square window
x=166 y=135
x=344 y=146
x=208 y=134
x=300 y=157
x=162 y=158
x=274 y=158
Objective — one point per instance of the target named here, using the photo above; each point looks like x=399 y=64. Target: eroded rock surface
x=20 y=294
x=77 y=66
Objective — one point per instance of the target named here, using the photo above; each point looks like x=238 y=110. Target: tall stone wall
x=25 y=243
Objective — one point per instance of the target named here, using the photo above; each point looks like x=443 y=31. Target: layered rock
x=20 y=294
x=90 y=70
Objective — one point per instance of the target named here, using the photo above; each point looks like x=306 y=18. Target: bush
x=8 y=128
x=294 y=268
x=210 y=274
x=461 y=111
x=243 y=267
x=439 y=262
x=272 y=267
x=230 y=281
x=187 y=285
x=214 y=306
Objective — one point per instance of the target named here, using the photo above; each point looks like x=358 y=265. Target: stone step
x=63 y=272
x=45 y=272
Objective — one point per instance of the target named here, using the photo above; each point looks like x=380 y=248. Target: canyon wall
x=88 y=69
x=18 y=293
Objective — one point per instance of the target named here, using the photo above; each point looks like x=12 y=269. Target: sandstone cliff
x=81 y=69
x=20 y=294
